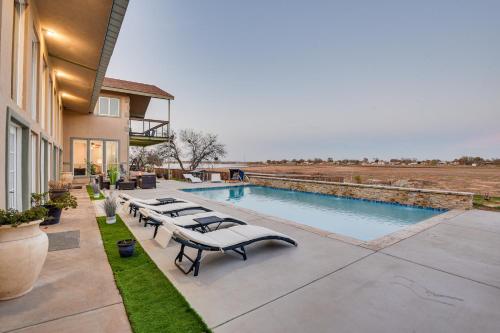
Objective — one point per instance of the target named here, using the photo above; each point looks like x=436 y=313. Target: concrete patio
x=76 y=291
x=445 y=278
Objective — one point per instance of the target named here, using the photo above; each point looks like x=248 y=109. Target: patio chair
x=204 y=223
x=215 y=178
x=192 y=178
x=228 y=239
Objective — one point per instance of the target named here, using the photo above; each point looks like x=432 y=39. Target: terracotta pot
x=23 y=251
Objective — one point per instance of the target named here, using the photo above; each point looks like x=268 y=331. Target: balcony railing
x=144 y=132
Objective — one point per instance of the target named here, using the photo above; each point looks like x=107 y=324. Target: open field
x=481 y=180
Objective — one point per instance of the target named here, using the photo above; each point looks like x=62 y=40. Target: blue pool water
x=361 y=219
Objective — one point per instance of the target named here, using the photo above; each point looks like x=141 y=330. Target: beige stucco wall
x=91 y=126
x=406 y=196
x=9 y=109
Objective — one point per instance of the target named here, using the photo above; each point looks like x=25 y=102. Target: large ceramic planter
x=23 y=250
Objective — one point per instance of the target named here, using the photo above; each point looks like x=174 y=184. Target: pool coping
x=376 y=244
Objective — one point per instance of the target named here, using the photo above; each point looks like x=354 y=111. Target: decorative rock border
x=397 y=195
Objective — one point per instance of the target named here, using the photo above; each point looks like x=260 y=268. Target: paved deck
x=76 y=291
x=444 y=279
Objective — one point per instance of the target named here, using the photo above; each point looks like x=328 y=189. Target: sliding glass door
x=101 y=154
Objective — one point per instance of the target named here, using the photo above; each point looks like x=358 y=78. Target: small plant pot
x=112 y=187
x=111 y=219
x=126 y=247
x=53 y=216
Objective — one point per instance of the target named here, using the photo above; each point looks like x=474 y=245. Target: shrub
x=14 y=218
x=110 y=206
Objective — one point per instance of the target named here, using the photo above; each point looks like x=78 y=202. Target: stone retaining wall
x=401 y=195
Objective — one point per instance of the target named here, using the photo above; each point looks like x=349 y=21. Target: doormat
x=64 y=240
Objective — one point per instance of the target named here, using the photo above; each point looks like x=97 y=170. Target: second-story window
x=108 y=106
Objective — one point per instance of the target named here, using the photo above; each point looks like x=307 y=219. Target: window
x=43 y=103
x=44 y=167
x=96 y=155
x=34 y=164
x=111 y=154
x=50 y=106
x=80 y=157
x=54 y=163
x=34 y=75
x=102 y=154
x=17 y=53
x=108 y=106
x=14 y=163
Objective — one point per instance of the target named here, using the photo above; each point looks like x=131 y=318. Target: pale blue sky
x=304 y=79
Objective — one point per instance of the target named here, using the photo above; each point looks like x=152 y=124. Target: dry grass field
x=480 y=180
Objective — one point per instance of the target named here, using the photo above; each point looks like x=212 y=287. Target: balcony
x=147 y=132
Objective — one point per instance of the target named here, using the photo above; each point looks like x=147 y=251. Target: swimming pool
x=360 y=219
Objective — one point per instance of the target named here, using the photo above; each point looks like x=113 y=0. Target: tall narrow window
x=48 y=159
x=96 y=157
x=79 y=157
x=14 y=165
x=43 y=103
x=43 y=166
x=34 y=76
x=54 y=163
x=50 y=106
x=111 y=154
x=18 y=52
x=34 y=162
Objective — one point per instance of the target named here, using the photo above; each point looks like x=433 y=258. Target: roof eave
x=114 y=25
x=134 y=92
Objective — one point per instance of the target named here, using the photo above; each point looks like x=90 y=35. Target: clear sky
x=304 y=79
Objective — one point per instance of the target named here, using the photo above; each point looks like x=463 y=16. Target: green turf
x=90 y=191
x=152 y=302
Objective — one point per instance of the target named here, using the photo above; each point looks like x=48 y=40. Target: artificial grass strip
x=152 y=303
x=90 y=191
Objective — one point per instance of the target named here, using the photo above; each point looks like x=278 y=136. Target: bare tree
x=193 y=146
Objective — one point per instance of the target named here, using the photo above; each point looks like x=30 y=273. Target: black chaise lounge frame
x=238 y=248
x=195 y=226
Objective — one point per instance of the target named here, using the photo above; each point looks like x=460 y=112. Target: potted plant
x=95 y=190
x=57 y=188
x=54 y=207
x=113 y=177
x=126 y=247
x=24 y=248
x=165 y=175
x=110 y=206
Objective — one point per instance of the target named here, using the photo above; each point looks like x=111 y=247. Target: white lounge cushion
x=223 y=238
x=254 y=231
x=166 y=207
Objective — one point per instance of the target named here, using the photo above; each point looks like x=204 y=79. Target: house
x=58 y=111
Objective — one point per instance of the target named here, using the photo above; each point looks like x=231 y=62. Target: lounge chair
x=215 y=178
x=201 y=222
x=192 y=178
x=172 y=209
x=228 y=239
x=153 y=202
